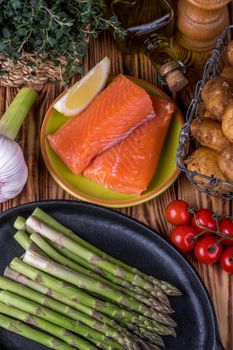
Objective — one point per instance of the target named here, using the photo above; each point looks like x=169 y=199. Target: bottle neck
x=158 y=49
x=171 y=70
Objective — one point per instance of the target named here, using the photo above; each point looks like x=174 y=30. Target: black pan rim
x=150 y=236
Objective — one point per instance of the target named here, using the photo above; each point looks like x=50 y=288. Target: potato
x=225 y=162
x=227 y=123
x=209 y=133
x=227 y=75
x=230 y=52
x=207 y=114
x=216 y=95
x=205 y=161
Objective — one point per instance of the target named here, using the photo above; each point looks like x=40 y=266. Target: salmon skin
x=129 y=166
x=113 y=115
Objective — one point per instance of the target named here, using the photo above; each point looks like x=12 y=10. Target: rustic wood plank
x=41 y=186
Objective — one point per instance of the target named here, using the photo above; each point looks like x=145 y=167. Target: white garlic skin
x=13 y=169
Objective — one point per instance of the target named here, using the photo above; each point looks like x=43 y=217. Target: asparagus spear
x=36 y=261
x=21 y=290
x=49 y=327
x=26 y=243
x=152 y=338
x=167 y=288
x=72 y=293
x=20 y=224
x=59 y=332
x=99 y=339
x=30 y=333
x=127 y=336
x=64 y=241
x=85 y=282
x=80 y=297
x=150 y=296
x=53 y=254
x=144 y=345
x=16 y=276
x=22 y=238
x=84 y=277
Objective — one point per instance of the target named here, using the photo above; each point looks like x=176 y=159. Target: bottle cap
x=173 y=73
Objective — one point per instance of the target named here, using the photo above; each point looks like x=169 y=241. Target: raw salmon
x=112 y=116
x=129 y=166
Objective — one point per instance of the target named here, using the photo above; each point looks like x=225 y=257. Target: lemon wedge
x=80 y=95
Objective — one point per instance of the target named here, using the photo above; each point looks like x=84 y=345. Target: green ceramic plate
x=82 y=188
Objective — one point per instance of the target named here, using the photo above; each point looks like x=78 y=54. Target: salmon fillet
x=112 y=116
x=129 y=166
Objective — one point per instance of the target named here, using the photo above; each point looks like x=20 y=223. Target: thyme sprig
x=54 y=29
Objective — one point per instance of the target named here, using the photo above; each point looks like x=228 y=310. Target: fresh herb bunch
x=54 y=29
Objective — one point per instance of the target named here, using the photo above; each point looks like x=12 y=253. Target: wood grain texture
x=40 y=185
x=199 y=24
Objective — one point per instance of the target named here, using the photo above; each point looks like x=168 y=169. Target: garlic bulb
x=13 y=169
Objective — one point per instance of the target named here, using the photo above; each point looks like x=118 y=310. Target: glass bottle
x=149 y=25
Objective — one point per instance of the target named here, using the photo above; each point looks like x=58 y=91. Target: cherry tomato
x=207 y=251
x=204 y=217
x=177 y=213
x=227 y=260
x=182 y=237
x=226 y=227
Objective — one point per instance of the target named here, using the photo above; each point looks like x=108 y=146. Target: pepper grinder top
x=210 y=4
x=199 y=24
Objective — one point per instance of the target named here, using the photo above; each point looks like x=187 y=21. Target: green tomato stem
x=212 y=249
x=206 y=229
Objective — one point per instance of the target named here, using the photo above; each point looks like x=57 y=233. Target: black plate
x=135 y=244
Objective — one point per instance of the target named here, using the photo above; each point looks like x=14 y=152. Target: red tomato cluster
x=201 y=231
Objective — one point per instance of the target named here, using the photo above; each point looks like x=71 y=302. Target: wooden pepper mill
x=199 y=23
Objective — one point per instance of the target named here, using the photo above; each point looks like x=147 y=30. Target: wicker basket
x=31 y=69
x=213 y=67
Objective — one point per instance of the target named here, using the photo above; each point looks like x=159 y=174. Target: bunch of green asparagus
x=80 y=297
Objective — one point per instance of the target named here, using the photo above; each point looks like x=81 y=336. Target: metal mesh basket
x=213 y=67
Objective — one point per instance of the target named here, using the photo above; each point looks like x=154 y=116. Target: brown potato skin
x=227 y=123
x=225 y=162
x=227 y=75
x=216 y=95
x=205 y=161
x=208 y=115
x=209 y=133
x=230 y=52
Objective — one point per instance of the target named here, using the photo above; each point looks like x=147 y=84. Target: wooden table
x=40 y=185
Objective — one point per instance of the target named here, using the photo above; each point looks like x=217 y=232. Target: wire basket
x=203 y=183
